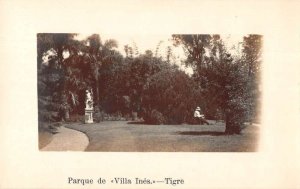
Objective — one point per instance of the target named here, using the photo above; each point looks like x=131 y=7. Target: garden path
x=67 y=140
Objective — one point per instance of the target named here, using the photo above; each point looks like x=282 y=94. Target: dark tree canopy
x=223 y=78
x=154 y=87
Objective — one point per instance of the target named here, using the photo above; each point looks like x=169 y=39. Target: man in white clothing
x=200 y=117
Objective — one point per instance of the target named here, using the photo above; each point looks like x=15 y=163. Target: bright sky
x=143 y=42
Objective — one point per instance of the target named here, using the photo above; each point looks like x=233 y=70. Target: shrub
x=172 y=93
x=154 y=117
x=76 y=118
x=99 y=115
x=134 y=116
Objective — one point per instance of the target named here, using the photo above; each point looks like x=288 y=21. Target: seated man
x=200 y=117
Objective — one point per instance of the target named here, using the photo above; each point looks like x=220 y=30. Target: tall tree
x=194 y=47
x=251 y=57
x=221 y=78
x=57 y=67
x=252 y=53
x=98 y=55
x=95 y=45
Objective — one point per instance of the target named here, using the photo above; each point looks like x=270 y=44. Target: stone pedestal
x=88 y=115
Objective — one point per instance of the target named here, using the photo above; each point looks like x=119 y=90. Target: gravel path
x=67 y=140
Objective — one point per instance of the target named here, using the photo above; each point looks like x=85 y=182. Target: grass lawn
x=122 y=136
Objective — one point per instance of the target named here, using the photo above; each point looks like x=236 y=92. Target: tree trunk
x=97 y=86
x=67 y=115
x=60 y=57
x=232 y=126
x=97 y=93
x=232 y=129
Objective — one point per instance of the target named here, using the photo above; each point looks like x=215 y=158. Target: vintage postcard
x=149 y=94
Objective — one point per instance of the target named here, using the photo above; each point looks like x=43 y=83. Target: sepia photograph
x=149 y=93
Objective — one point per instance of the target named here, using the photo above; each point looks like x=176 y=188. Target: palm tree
x=58 y=43
x=98 y=55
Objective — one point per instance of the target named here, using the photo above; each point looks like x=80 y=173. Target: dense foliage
x=145 y=84
x=229 y=84
x=173 y=94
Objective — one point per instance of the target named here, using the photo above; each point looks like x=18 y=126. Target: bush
x=173 y=94
x=76 y=118
x=191 y=120
x=98 y=115
x=154 y=117
x=134 y=116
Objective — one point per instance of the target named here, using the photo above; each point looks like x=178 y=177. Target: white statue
x=89 y=100
x=89 y=106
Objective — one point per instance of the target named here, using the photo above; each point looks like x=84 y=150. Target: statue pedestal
x=88 y=115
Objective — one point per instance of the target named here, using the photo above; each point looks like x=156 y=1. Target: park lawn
x=122 y=136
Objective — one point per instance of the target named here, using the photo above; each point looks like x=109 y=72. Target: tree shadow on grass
x=201 y=133
x=137 y=123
